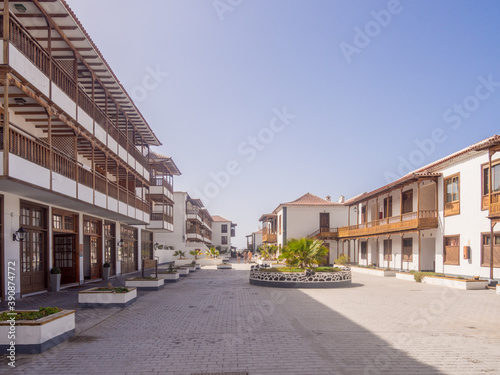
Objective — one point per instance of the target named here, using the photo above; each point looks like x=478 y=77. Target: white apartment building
x=192 y=228
x=307 y=216
x=440 y=217
x=222 y=232
x=74 y=168
x=254 y=240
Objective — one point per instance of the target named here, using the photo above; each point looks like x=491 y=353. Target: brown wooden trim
x=483 y=167
x=486 y=249
x=447 y=263
x=453 y=210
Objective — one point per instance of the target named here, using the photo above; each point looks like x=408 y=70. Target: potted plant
x=55 y=279
x=168 y=275
x=106 y=267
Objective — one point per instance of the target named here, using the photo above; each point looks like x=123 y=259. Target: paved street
x=213 y=321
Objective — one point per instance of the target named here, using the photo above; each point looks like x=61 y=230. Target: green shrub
x=30 y=315
x=343 y=259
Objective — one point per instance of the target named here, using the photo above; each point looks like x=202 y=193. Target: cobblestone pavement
x=213 y=321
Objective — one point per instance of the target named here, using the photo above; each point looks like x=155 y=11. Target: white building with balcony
x=223 y=230
x=75 y=177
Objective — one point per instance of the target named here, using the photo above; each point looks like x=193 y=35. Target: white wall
x=471 y=221
x=304 y=220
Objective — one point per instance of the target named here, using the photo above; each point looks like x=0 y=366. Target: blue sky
x=364 y=90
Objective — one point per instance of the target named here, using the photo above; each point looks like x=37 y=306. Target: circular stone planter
x=301 y=280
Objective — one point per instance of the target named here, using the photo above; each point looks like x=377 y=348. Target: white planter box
x=374 y=271
x=498 y=289
x=456 y=283
x=405 y=276
x=145 y=284
x=198 y=266
x=182 y=271
x=168 y=277
x=94 y=298
x=227 y=266
x=37 y=336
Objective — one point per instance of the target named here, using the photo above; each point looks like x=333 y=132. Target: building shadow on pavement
x=215 y=322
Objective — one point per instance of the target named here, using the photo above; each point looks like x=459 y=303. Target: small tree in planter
x=196 y=253
x=180 y=254
x=55 y=279
x=106 y=268
x=343 y=259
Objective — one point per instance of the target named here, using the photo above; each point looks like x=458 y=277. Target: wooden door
x=110 y=247
x=65 y=257
x=95 y=258
x=324 y=221
x=34 y=249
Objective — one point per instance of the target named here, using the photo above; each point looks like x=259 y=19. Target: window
x=407 y=201
x=223 y=228
x=407 y=249
x=452 y=195
x=495 y=182
x=486 y=250
x=388 y=250
x=364 y=250
x=452 y=250
x=279 y=224
x=223 y=240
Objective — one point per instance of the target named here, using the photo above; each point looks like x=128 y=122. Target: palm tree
x=304 y=252
x=195 y=253
x=179 y=254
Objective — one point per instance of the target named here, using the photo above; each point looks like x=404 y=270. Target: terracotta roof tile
x=219 y=218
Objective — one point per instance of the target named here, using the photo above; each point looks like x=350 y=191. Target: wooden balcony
x=494 y=208
x=50 y=66
x=39 y=153
x=268 y=236
x=325 y=234
x=410 y=221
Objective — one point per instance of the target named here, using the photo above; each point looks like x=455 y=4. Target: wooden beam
x=37 y=15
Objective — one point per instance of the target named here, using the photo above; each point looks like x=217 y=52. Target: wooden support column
x=51 y=151
x=75 y=156
x=93 y=171
x=401 y=205
x=419 y=250
x=6 y=124
x=359 y=250
x=401 y=248
x=106 y=177
x=378 y=251
x=418 y=199
x=490 y=200
x=6 y=32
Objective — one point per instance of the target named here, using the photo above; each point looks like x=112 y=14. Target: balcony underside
x=28 y=191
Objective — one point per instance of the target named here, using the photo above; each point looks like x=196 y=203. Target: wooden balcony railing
x=38 y=152
x=414 y=220
x=160 y=181
x=269 y=236
x=495 y=205
x=194 y=230
x=34 y=52
x=325 y=233
x=162 y=216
